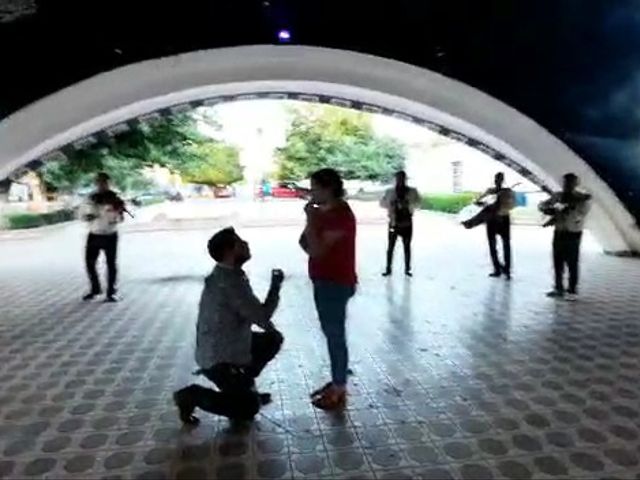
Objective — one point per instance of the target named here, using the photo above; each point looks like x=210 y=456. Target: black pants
x=237 y=398
x=95 y=244
x=500 y=226
x=406 y=233
x=566 y=251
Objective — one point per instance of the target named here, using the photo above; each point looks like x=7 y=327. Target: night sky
x=571 y=65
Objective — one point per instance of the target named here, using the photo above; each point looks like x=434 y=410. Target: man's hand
x=277 y=277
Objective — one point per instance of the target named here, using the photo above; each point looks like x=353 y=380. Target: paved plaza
x=455 y=375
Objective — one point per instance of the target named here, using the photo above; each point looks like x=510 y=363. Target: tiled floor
x=455 y=375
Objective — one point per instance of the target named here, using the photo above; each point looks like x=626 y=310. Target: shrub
x=145 y=202
x=18 y=221
x=24 y=220
x=447 y=202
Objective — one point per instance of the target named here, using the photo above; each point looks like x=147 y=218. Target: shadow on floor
x=173 y=279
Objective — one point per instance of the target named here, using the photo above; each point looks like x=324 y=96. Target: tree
x=338 y=138
x=64 y=176
x=218 y=164
x=172 y=142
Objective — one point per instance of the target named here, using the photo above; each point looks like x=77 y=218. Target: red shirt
x=338 y=263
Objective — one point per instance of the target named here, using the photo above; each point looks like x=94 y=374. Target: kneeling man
x=228 y=352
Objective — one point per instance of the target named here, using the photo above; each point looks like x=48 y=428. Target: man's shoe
x=386 y=273
x=184 y=402
x=571 y=297
x=555 y=293
x=90 y=296
x=408 y=273
x=265 y=399
x=113 y=298
x=495 y=274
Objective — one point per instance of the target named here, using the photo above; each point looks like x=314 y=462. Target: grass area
x=145 y=202
x=447 y=202
x=21 y=221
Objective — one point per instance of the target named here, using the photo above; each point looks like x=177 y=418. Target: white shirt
x=389 y=198
x=103 y=218
x=505 y=199
x=568 y=217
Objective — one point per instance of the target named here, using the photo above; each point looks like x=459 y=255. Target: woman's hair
x=330 y=179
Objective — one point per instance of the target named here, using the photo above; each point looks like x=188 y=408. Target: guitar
x=565 y=204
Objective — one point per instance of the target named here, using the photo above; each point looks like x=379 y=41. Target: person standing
x=228 y=352
x=329 y=239
x=400 y=203
x=498 y=219
x=568 y=210
x=104 y=211
x=266 y=189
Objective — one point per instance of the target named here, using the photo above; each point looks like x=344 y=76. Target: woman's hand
x=311 y=211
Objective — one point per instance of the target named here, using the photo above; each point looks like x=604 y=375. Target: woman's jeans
x=331 y=302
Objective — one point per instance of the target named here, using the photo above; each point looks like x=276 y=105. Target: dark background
x=571 y=65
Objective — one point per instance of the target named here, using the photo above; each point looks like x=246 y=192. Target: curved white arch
x=127 y=92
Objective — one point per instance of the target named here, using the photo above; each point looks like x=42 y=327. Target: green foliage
x=448 y=202
x=19 y=221
x=64 y=176
x=218 y=164
x=325 y=136
x=172 y=142
x=154 y=200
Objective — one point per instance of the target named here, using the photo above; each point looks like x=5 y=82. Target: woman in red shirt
x=329 y=239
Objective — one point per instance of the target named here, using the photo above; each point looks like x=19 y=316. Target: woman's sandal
x=330 y=400
x=321 y=390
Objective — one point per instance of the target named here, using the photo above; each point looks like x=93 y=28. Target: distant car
x=223 y=192
x=290 y=190
x=174 y=195
x=148 y=198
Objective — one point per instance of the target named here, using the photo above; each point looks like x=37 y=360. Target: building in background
x=437 y=164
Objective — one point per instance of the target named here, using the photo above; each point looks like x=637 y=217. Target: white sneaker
x=571 y=297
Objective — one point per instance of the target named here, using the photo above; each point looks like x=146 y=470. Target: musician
x=568 y=210
x=104 y=211
x=499 y=224
x=400 y=203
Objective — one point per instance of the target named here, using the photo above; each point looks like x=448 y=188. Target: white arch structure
x=132 y=91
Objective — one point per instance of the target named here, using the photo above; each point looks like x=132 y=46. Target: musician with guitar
x=103 y=212
x=568 y=210
x=497 y=216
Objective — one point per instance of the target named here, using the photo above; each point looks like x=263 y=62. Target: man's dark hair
x=571 y=176
x=221 y=243
x=330 y=178
x=103 y=177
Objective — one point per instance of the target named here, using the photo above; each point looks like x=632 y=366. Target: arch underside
x=110 y=103
x=113 y=131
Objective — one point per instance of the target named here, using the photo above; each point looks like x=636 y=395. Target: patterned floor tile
x=454 y=375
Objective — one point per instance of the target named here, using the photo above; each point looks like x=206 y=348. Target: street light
x=284 y=36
